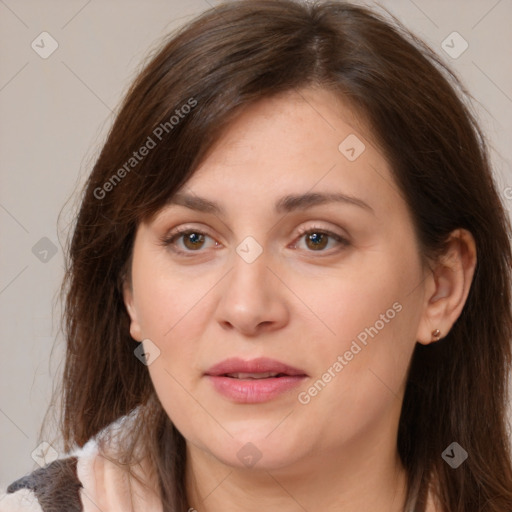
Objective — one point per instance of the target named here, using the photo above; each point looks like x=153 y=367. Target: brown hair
x=218 y=64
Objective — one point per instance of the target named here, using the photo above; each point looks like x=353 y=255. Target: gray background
x=55 y=113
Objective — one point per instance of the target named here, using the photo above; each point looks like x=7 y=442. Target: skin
x=295 y=303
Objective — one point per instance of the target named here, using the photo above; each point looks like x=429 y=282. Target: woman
x=289 y=281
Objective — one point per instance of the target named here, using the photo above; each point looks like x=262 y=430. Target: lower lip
x=254 y=391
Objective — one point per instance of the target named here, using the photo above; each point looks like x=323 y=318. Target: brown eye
x=186 y=242
x=320 y=240
x=317 y=241
x=193 y=240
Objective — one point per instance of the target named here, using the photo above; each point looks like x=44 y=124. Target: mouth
x=252 y=376
x=255 y=381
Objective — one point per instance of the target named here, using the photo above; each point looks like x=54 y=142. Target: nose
x=253 y=300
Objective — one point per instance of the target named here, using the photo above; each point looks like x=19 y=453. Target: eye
x=317 y=239
x=192 y=241
x=186 y=241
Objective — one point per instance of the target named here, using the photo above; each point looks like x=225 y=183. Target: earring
x=436 y=334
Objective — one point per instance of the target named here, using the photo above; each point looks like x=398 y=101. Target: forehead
x=282 y=148
x=310 y=120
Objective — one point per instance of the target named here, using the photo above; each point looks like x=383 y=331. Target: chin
x=257 y=451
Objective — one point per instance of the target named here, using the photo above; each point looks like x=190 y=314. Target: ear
x=447 y=287
x=135 y=329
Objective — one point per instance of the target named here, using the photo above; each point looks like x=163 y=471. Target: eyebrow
x=285 y=204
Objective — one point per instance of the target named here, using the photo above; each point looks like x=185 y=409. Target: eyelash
x=179 y=232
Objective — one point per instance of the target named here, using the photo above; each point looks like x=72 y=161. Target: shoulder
x=55 y=486
x=85 y=480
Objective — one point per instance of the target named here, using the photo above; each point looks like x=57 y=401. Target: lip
x=255 y=390
x=259 y=365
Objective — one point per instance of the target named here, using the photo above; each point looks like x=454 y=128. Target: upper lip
x=259 y=365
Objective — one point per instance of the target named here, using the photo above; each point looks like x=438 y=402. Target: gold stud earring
x=436 y=334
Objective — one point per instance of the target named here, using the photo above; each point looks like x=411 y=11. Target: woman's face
x=299 y=250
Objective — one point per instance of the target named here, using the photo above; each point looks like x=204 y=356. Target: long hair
x=178 y=106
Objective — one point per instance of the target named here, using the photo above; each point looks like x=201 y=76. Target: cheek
x=371 y=298
x=173 y=314
x=166 y=298
x=363 y=357
x=172 y=309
